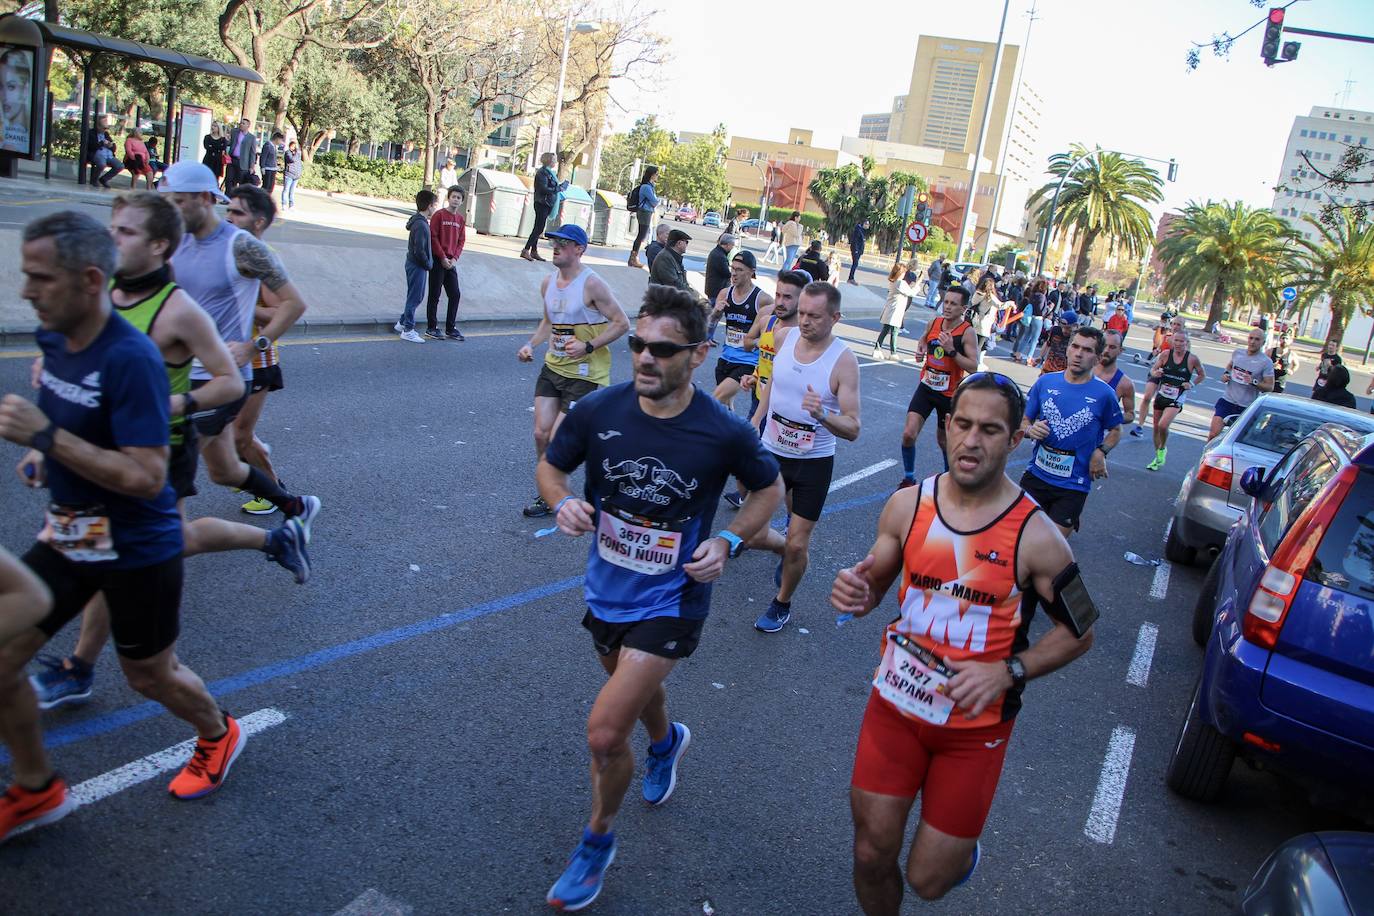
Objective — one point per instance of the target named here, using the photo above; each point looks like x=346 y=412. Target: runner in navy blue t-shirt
x=98 y=440
x=1074 y=421
x=657 y=452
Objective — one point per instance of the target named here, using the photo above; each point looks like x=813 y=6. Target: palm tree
x=1231 y=249
x=1104 y=196
x=1340 y=265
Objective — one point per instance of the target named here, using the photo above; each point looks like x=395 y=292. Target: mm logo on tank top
x=946 y=613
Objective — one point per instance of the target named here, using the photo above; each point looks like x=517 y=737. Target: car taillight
x=1216 y=470
x=1282 y=577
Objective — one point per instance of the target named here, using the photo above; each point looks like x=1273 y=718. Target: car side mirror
x=1252 y=481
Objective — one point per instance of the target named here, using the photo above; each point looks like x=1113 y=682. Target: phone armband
x=1071 y=605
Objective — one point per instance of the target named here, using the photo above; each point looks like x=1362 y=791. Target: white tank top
x=790 y=431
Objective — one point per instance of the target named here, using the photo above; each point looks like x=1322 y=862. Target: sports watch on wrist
x=1017 y=671
x=42 y=440
x=591 y=345
x=263 y=343
x=734 y=540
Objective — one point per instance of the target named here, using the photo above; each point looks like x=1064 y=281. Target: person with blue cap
x=581 y=320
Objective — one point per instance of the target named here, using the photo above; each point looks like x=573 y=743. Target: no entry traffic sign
x=916 y=233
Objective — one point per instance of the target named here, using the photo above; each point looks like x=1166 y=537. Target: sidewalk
x=346 y=253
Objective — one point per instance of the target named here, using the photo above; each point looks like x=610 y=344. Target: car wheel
x=1175 y=550
x=1202 y=757
x=1205 y=610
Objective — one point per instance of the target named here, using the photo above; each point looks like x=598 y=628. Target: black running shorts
x=568 y=391
x=925 y=400
x=1063 y=506
x=144 y=603
x=667 y=637
x=736 y=371
x=181 y=467
x=212 y=422
x=808 y=482
x=266 y=378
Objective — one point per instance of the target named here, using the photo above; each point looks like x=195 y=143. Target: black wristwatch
x=591 y=345
x=42 y=440
x=1017 y=671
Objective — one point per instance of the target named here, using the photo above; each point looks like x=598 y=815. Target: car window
x=1277 y=431
x=1309 y=475
x=1345 y=559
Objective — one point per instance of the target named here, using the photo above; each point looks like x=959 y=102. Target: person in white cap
x=222 y=267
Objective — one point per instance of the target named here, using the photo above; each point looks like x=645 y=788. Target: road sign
x=1289 y=293
x=916 y=233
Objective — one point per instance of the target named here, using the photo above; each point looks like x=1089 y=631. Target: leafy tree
x=1340 y=265
x=1105 y=195
x=330 y=95
x=850 y=194
x=646 y=141
x=1230 y=249
x=695 y=172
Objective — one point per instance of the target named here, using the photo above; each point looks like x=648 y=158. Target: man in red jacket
x=448 y=232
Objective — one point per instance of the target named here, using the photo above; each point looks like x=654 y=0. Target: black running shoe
x=537 y=509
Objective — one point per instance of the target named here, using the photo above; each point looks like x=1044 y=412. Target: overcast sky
x=1111 y=72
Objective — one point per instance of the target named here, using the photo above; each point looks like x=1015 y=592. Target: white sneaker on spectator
x=412 y=337
x=398 y=328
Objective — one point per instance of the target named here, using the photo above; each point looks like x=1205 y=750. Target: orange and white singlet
x=941 y=373
x=959 y=600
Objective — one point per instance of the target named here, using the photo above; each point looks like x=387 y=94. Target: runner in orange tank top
x=975 y=555
x=950 y=348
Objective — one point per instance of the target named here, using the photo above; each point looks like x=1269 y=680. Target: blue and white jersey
x=1079 y=417
x=655 y=484
x=739 y=319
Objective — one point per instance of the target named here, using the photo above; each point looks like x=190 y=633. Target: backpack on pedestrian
x=632 y=201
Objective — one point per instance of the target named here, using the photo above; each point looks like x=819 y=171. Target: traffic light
x=1273 y=34
x=1290 y=50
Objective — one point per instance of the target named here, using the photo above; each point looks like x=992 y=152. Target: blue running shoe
x=977 y=854
x=581 y=881
x=57 y=684
x=286 y=546
x=660 y=773
x=773 y=619
x=310 y=508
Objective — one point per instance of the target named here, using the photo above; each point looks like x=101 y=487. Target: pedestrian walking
x=547 y=187
x=899 y=293
x=419 y=262
x=448 y=234
x=857 y=238
x=791 y=240
x=774 y=253
x=643 y=202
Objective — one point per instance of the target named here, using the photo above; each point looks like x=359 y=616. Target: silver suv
x=1211 y=499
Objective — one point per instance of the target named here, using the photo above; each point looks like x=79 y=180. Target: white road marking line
x=1167 y=528
x=860 y=475
x=1139 y=672
x=1160 y=586
x=173 y=758
x=373 y=902
x=888 y=403
x=1111 y=787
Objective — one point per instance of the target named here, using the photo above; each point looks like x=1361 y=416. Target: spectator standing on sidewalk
x=447 y=235
x=667 y=267
x=718 y=266
x=934 y=275
x=101 y=146
x=292 y=168
x=813 y=263
x=216 y=151
x=419 y=262
x=858 y=236
x=269 y=160
x=243 y=155
x=658 y=244
x=547 y=187
x=791 y=240
x=448 y=175
x=643 y=202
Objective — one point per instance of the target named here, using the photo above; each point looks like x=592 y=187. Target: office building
x=885 y=126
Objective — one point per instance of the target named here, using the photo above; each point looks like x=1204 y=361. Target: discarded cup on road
x=1138 y=560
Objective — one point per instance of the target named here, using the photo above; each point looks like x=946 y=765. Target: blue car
x=1287 y=618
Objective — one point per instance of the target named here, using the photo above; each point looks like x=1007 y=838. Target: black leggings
x=890 y=333
x=645 y=219
x=541 y=219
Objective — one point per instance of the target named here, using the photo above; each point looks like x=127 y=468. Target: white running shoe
x=412 y=337
x=398 y=328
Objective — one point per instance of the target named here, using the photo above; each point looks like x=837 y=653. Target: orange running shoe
x=209 y=763
x=24 y=809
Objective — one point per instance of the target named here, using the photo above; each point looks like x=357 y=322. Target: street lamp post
x=969 y=214
x=582 y=28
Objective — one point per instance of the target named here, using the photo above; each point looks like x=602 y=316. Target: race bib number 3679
x=638 y=544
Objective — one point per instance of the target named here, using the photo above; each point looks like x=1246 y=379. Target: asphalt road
x=431 y=684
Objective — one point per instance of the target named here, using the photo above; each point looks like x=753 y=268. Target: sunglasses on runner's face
x=659 y=349
x=1002 y=382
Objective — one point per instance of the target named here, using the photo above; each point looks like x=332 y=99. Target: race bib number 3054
x=913 y=687
x=638 y=544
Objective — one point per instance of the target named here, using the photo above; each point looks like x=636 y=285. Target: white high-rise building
x=1316 y=144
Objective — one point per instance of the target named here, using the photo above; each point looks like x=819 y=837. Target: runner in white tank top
x=811 y=400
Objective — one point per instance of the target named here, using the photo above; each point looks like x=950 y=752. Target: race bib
x=790 y=436
x=1242 y=376
x=734 y=337
x=1169 y=392
x=560 y=336
x=636 y=543
x=80 y=535
x=936 y=380
x=912 y=686
x=1054 y=461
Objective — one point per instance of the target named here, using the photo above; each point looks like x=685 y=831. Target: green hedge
x=66 y=139
x=347 y=174
x=812 y=221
